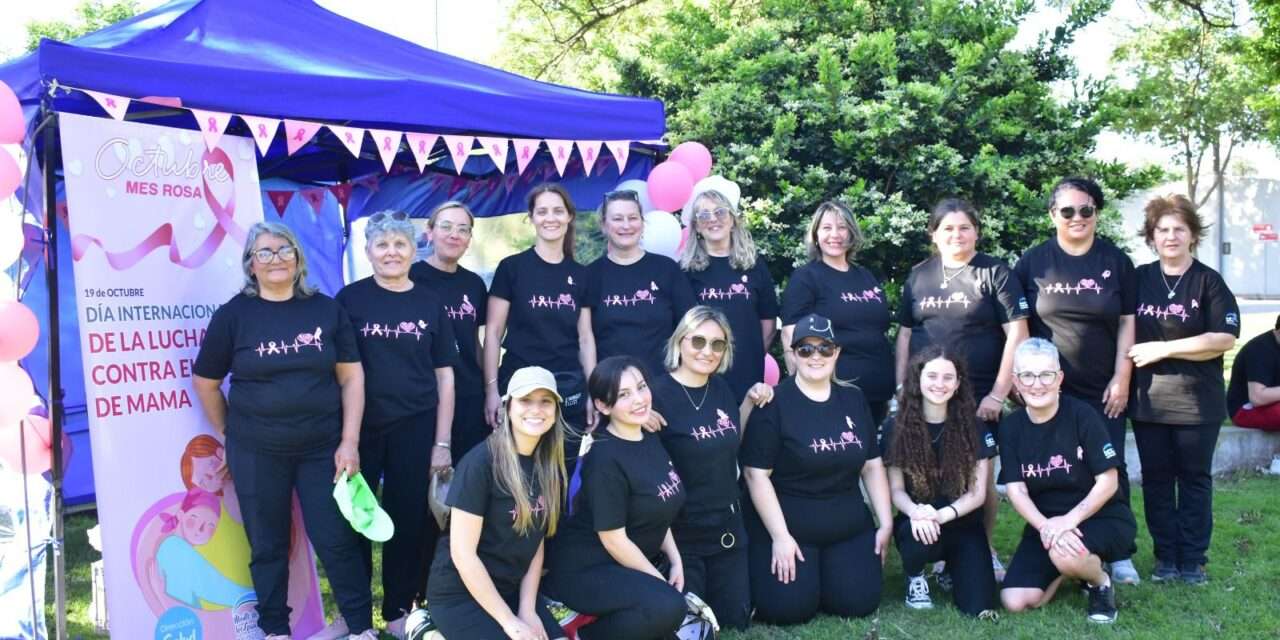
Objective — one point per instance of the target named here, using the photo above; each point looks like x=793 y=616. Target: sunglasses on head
x=398 y=216
x=806 y=350
x=1085 y=212
x=622 y=194
x=699 y=343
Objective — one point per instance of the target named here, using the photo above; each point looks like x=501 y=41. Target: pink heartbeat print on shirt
x=559 y=302
x=395 y=331
x=639 y=297
x=462 y=310
x=1085 y=285
x=934 y=302
x=304 y=339
x=670 y=488
x=724 y=424
x=1056 y=463
x=1164 y=313
x=867 y=295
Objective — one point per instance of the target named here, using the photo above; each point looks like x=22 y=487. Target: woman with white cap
x=504 y=500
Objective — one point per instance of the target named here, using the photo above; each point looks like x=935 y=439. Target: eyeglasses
x=806 y=350
x=447 y=228
x=398 y=216
x=699 y=343
x=1085 y=211
x=622 y=194
x=1029 y=378
x=714 y=214
x=267 y=256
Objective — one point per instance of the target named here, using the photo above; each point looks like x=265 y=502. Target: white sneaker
x=397 y=627
x=1274 y=469
x=336 y=630
x=918 y=593
x=369 y=634
x=1124 y=572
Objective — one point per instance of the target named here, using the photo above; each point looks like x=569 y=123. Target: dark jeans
x=628 y=604
x=968 y=558
x=1177 y=487
x=843 y=579
x=265 y=483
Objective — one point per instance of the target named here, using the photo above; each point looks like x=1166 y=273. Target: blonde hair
x=692 y=319
x=742 y=248
x=548 y=468
x=300 y=287
x=846 y=216
x=450 y=204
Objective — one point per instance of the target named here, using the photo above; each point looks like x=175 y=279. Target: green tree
x=90 y=16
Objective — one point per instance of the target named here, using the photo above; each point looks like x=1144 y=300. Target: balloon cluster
x=19 y=328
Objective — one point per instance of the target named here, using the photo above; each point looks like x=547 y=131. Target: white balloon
x=661 y=234
x=641 y=188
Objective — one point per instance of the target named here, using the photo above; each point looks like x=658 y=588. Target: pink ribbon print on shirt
x=394 y=331
x=866 y=295
x=737 y=289
x=301 y=341
x=1056 y=463
x=939 y=302
x=724 y=424
x=846 y=439
x=1164 y=313
x=671 y=487
x=462 y=311
x=1083 y=286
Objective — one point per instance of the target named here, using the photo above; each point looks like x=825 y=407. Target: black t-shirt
x=1077 y=301
x=1257 y=361
x=504 y=551
x=284 y=395
x=1058 y=459
x=542 y=325
x=1176 y=391
x=465 y=302
x=968 y=313
x=746 y=298
x=635 y=307
x=703 y=444
x=859 y=314
x=984 y=449
x=403 y=338
x=625 y=484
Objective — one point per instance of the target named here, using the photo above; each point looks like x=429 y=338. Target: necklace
x=940 y=432
x=946 y=279
x=1175 y=284
x=697 y=406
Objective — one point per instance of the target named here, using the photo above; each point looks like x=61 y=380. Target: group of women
x=615 y=447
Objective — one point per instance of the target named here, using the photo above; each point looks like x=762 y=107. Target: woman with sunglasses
x=635 y=296
x=1187 y=318
x=538 y=311
x=291 y=424
x=407 y=347
x=833 y=286
x=704 y=428
x=725 y=272
x=1082 y=291
x=813 y=545
x=1060 y=466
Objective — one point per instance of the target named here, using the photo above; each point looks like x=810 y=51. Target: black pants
x=715 y=569
x=879 y=411
x=628 y=604
x=469 y=427
x=398 y=457
x=465 y=618
x=1177 y=487
x=1116 y=429
x=841 y=578
x=265 y=483
x=964 y=548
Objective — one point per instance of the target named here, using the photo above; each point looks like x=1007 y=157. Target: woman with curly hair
x=939 y=461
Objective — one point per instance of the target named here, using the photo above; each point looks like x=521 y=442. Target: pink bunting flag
x=526 y=149
x=298 y=133
x=590 y=152
x=560 y=152
x=280 y=200
x=263 y=131
x=212 y=124
x=388 y=143
x=351 y=137
x=459 y=149
x=314 y=197
x=497 y=150
x=621 y=150
x=115 y=106
x=421 y=144
x=164 y=101
x=342 y=191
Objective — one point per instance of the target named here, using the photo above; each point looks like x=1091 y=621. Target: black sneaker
x=1165 y=572
x=918 y=593
x=1194 y=575
x=1102 y=604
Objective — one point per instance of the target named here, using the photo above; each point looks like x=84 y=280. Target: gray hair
x=300 y=287
x=387 y=225
x=1032 y=347
x=691 y=320
x=742 y=249
x=450 y=204
x=846 y=215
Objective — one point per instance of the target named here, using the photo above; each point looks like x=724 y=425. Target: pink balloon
x=695 y=157
x=19 y=330
x=32 y=431
x=771 y=371
x=670 y=186
x=12 y=126
x=16 y=396
x=11 y=176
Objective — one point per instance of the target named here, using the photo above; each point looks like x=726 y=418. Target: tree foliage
x=90 y=16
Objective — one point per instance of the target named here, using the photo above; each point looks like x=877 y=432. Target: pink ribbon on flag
x=459 y=149
x=526 y=149
x=263 y=131
x=560 y=152
x=298 y=134
x=114 y=105
x=590 y=152
x=212 y=124
x=497 y=150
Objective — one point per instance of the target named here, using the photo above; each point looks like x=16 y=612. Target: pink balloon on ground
x=12 y=125
x=670 y=186
x=772 y=374
x=31 y=435
x=11 y=175
x=19 y=330
x=695 y=157
x=16 y=396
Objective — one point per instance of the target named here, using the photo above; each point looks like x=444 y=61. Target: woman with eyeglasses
x=1060 y=466
x=291 y=423
x=704 y=429
x=1187 y=318
x=1082 y=291
x=939 y=458
x=636 y=297
x=406 y=344
x=813 y=545
x=833 y=286
x=538 y=312
x=725 y=272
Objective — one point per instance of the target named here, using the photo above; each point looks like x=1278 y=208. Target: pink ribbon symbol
x=298 y=136
x=262 y=130
x=111 y=102
x=459 y=151
x=422 y=146
x=524 y=152
x=349 y=138
x=213 y=124
x=560 y=150
x=591 y=154
x=386 y=143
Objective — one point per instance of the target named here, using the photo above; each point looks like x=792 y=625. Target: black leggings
x=718 y=574
x=628 y=604
x=465 y=619
x=842 y=578
x=964 y=548
x=1177 y=487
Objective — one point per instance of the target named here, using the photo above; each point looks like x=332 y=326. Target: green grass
x=1239 y=601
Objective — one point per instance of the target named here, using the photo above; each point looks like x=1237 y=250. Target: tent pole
x=50 y=156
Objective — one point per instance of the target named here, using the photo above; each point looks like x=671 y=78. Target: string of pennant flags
x=298 y=133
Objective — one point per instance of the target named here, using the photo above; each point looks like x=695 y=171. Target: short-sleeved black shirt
x=746 y=297
x=1257 y=361
x=542 y=325
x=635 y=307
x=859 y=314
x=465 y=303
x=1076 y=302
x=984 y=449
x=1058 y=459
x=1176 y=391
x=284 y=395
x=403 y=338
x=969 y=313
x=504 y=551
x=703 y=444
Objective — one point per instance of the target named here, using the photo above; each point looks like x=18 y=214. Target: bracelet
x=442 y=445
x=954 y=512
x=493 y=381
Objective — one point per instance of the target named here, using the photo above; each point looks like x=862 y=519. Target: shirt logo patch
x=991 y=440
x=1108 y=451
x=1232 y=319
x=1022 y=304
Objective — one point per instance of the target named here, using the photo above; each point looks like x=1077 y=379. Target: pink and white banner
x=157 y=232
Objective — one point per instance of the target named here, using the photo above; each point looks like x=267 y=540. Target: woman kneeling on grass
x=1060 y=467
